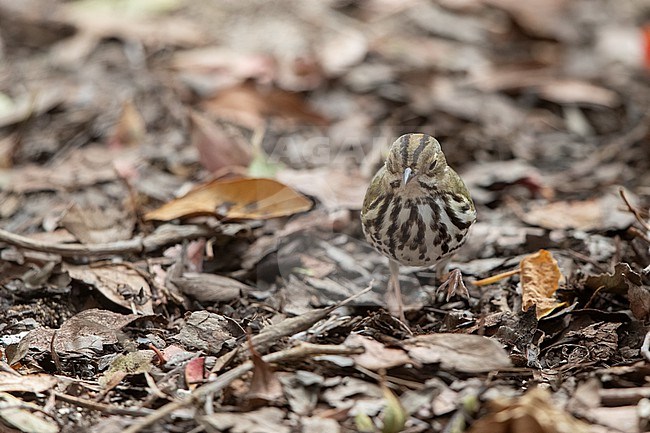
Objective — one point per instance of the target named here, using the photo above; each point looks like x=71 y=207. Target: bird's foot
x=454 y=285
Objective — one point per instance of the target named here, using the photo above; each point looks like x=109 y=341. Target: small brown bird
x=417 y=212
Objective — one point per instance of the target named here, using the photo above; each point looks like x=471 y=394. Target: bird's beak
x=408 y=174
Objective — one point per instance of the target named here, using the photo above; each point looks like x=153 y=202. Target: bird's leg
x=394 y=293
x=452 y=281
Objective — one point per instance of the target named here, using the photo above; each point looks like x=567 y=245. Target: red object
x=646 y=44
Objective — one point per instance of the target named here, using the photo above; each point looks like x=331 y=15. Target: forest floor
x=180 y=242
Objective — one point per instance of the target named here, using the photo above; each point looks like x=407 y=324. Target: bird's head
x=415 y=157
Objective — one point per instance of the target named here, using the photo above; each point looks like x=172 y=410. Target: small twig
x=165 y=235
x=634 y=210
x=100 y=407
x=638 y=233
x=390 y=381
x=302 y=351
x=494 y=278
x=55 y=356
x=272 y=334
x=611 y=149
x=593 y=296
x=585 y=259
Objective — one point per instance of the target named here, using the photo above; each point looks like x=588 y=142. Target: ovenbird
x=417 y=211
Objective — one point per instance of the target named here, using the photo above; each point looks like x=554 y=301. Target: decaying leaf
x=90 y=224
x=253 y=198
x=265 y=385
x=217 y=147
x=342 y=50
x=195 y=372
x=376 y=355
x=35 y=383
x=266 y=419
x=465 y=353
x=624 y=281
x=130 y=129
x=84 y=167
x=85 y=333
x=301 y=390
x=130 y=363
x=248 y=106
x=210 y=287
x=595 y=214
x=534 y=412
x=540 y=279
x=618 y=281
x=119 y=283
x=206 y=331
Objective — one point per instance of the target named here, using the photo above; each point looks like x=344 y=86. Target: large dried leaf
x=376 y=355
x=35 y=383
x=548 y=18
x=624 y=280
x=119 y=283
x=85 y=333
x=207 y=331
x=540 y=279
x=209 y=69
x=210 y=287
x=254 y=198
x=464 y=353
x=533 y=412
x=617 y=282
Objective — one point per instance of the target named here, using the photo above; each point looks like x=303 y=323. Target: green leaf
x=364 y=423
x=394 y=414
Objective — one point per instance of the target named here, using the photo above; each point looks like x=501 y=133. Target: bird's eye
x=395 y=183
x=433 y=165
